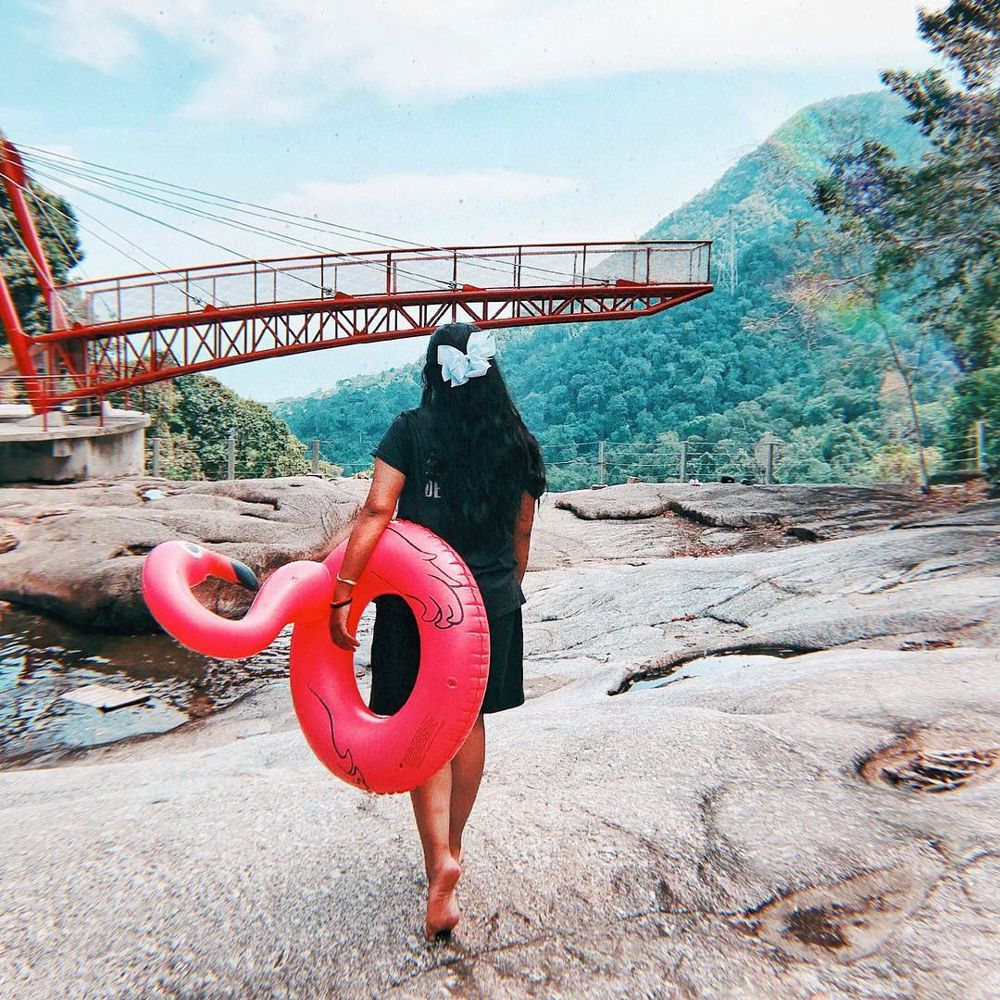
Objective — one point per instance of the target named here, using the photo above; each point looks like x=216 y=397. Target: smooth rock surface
x=881 y=588
x=827 y=510
x=76 y=551
x=725 y=834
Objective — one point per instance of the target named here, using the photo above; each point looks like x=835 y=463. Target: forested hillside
x=193 y=416
x=753 y=360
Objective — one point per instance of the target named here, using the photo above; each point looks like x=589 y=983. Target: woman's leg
x=441 y=806
x=466 y=774
x=432 y=810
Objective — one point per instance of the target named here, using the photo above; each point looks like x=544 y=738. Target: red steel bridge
x=119 y=333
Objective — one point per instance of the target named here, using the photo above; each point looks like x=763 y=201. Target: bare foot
x=442 y=904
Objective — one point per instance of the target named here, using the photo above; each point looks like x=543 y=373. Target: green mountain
x=726 y=373
x=769 y=188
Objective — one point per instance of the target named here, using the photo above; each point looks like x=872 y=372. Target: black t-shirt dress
x=395 y=641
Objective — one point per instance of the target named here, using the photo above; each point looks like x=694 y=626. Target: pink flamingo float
x=376 y=753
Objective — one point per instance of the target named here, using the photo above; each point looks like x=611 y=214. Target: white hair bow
x=457 y=368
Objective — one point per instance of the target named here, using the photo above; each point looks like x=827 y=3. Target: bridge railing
x=388 y=272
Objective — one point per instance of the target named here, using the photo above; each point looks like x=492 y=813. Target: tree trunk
x=904 y=374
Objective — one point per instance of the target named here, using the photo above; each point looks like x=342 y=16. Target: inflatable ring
x=377 y=753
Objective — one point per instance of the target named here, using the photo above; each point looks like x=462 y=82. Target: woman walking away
x=464 y=465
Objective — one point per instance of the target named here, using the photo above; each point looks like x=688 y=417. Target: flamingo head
x=201 y=563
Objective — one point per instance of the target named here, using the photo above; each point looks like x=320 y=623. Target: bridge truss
x=124 y=332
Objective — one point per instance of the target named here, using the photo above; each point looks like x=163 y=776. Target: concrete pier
x=64 y=448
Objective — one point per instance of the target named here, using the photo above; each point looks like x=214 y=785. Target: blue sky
x=438 y=121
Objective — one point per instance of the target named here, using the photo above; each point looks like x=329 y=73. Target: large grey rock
x=729 y=834
x=824 y=510
x=619 y=503
x=983 y=513
x=887 y=588
x=76 y=551
x=562 y=539
x=709 y=839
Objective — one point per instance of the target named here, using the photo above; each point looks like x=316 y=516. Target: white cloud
x=395 y=196
x=438 y=189
x=433 y=207
x=96 y=34
x=267 y=60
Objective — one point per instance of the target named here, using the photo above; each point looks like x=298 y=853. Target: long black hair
x=491 y=456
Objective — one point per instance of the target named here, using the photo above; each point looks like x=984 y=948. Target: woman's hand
x=338 y=630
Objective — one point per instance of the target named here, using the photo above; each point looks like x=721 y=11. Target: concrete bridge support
x=54 y=448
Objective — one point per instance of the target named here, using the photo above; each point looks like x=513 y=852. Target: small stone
x=107 y=699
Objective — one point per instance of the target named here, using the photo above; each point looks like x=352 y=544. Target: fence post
x=154 y=461
x=602 y=466
x=769 y=464
x=315 y=456
x=980 y=426
x=231 y=456
x=682 y=473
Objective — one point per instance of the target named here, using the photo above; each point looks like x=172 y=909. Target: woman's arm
x=522 y=533
x=374 y=515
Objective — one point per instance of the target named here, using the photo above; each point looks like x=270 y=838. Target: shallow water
x=42 y=659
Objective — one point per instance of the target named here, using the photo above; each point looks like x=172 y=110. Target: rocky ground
x=743 y=775
x=70 y=563
x=76 y=551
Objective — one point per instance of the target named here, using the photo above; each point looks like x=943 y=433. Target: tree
x=933 y=227
x=728 y=367
x=198 y=415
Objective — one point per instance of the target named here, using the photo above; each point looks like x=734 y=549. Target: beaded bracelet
x=342 y=604
x=340 y=579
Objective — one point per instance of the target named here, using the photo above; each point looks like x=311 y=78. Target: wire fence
x=581 y=464
x=805 y=456
x=764 y=460
x=238 y=460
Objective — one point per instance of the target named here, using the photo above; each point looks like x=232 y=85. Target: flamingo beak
x=245 y=576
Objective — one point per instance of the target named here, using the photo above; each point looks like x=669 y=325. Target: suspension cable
x=135 y=260
x=75 y=258
x=184 y=232
x=31 y=258
x=135 y=189
x=37 y=153
x=246 y=227
x=40 y=205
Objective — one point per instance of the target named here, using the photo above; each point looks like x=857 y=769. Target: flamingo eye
x=195 y=550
